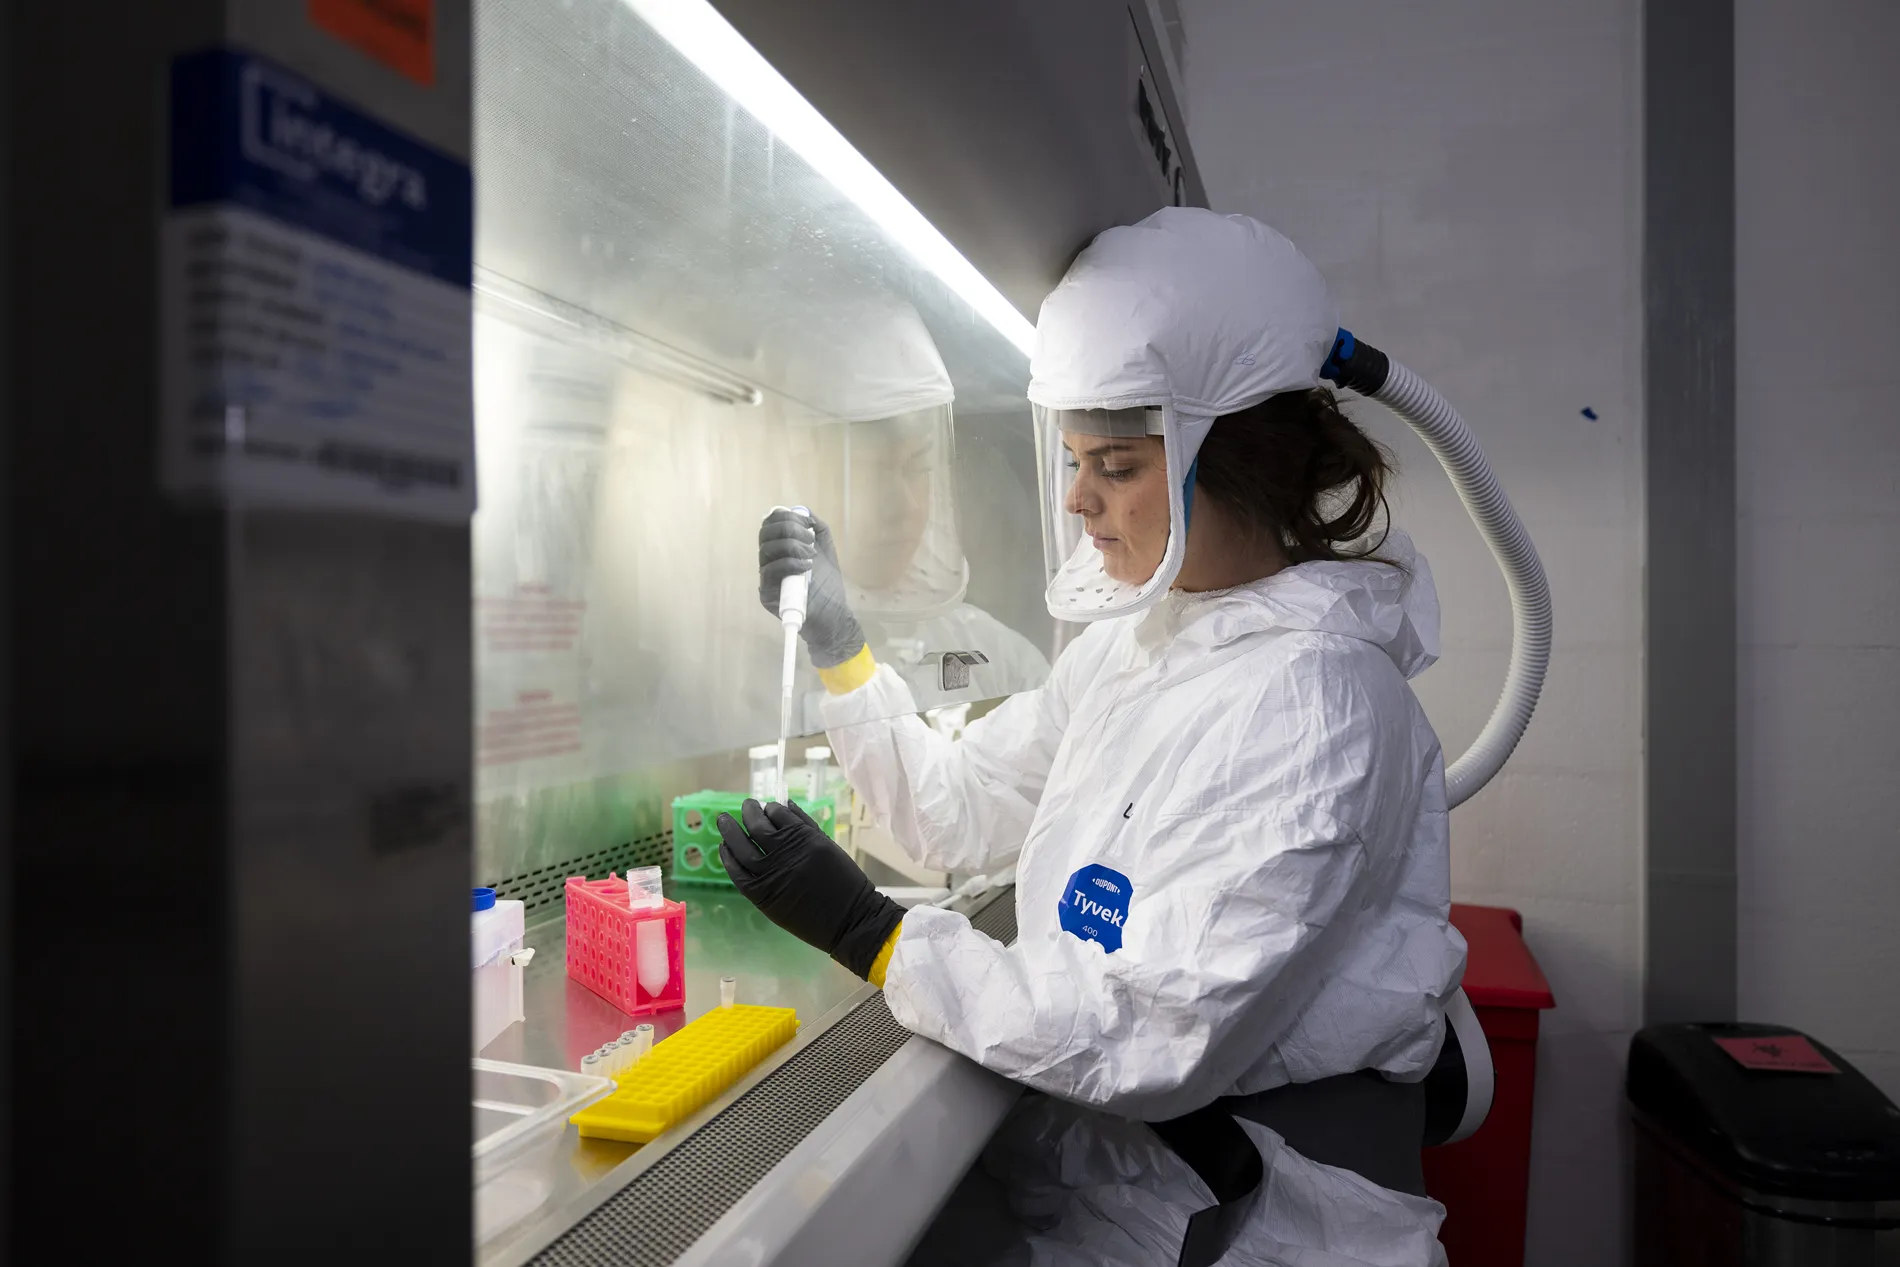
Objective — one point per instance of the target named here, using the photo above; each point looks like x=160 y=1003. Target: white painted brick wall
x=1818 y=306
x=1467 y=176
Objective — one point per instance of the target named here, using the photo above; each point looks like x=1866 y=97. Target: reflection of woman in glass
x=876 y=460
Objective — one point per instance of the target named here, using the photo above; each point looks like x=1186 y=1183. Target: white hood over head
x=1189 y=312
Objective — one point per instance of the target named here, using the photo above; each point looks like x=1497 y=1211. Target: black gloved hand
x=806 y=884
x=790 y=543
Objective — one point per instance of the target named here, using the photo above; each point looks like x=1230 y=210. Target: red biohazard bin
x=1484 y=1181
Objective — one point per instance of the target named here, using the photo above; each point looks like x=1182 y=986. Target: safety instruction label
x=314 y=296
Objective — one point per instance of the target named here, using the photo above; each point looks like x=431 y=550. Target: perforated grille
x=666 y=1208
x=998 y=919
x=541 y=892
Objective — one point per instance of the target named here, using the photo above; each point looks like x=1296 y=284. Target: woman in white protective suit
x=1232 y=892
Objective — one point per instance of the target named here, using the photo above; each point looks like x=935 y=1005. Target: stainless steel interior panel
x=1020 y=130
x=680 y=325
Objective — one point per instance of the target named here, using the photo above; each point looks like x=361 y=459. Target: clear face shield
x=1114 y=514
x=887 y=488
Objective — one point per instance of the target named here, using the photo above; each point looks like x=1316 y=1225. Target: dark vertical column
x=239 y=747
x=118 y=707
x=9 y=945
x=1689 y=410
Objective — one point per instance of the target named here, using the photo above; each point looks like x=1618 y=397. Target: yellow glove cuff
x=883 y=960
x=842 y=679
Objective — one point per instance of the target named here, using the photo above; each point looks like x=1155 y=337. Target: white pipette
x=793 y=594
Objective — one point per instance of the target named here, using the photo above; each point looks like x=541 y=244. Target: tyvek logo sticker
x=1094 y=905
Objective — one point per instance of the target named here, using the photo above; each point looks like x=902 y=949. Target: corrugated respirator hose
x=1368 y=371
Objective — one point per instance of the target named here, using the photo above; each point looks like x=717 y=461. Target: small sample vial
x=643 y=889
x=590 y=1064
x=642 y=1039
x=728 y=991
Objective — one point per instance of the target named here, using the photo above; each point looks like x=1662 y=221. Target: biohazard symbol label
x=1781 y=1053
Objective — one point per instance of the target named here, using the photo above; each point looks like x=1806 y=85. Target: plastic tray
x=520 y=1106
x=520 y=1112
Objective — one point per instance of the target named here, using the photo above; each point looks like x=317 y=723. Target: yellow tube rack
x=683 y=1073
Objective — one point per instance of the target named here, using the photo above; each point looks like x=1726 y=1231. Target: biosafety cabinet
x=277 y=699
x=729 y=257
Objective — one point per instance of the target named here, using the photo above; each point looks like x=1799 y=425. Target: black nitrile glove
x=806 y=884
x=790 y=543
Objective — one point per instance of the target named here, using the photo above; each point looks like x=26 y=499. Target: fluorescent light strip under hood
x=711 y=43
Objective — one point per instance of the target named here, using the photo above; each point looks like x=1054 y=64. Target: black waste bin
x=1759 y=1166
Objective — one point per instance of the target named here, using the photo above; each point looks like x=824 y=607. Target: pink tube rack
x=601 y=945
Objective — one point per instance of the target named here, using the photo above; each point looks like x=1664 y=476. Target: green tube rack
x=696 y=834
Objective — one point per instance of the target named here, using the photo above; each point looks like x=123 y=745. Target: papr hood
x=1204 y=312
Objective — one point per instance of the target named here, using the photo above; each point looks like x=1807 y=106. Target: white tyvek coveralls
x=1254 y=764
x=1230 y=808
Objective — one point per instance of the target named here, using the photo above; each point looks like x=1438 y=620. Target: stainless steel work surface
x=725 y=935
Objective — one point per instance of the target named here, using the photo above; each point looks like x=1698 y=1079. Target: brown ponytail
x=1296 y=466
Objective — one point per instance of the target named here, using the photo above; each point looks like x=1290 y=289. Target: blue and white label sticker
x=1094 y=905
x=315 y=300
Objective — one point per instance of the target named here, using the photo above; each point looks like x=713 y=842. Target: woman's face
x=872 y=483
x=1120 y=489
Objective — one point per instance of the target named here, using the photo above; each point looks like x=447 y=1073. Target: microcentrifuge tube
x=590 y=1064
x=728 y=991
x=642 y=1039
